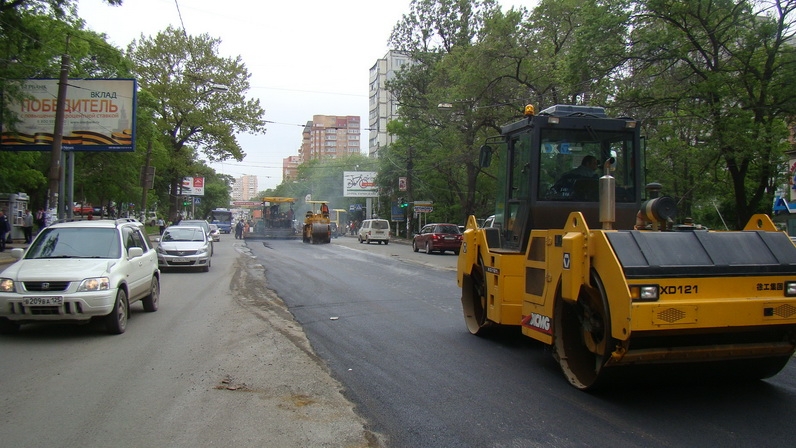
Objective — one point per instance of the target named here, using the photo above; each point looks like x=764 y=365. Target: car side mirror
x=135 y=252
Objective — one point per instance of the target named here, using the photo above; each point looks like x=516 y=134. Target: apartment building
x=244 y=188
x=383 y=107
x=290 y=167
x=329 y=137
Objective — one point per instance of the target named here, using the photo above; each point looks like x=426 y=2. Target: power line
x=179 y=14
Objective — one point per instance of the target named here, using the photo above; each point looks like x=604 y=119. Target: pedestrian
x=239 y=229
x=41 y=219
x=5 y=227
x=27 y=226
x=161 y=225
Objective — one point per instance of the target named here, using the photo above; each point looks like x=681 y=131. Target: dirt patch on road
x=309 y=408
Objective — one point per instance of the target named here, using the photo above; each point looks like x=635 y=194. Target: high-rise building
x=244 y=188
x=329 y=137
x=290 y=167
x=383 y=107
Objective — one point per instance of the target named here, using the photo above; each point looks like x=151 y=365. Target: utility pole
x=58 y=133
x=411 y=199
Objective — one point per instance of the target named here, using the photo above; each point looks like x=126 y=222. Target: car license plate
x=449 y=238
x=43 y=301
x=179 y=260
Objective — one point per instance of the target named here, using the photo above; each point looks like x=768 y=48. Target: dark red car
x=438 y=237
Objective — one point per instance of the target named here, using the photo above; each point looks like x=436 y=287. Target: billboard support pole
x=58 y=133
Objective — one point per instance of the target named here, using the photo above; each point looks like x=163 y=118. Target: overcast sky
x=309 y=57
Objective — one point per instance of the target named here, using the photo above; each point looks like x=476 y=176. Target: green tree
x=726 y=67
x=486 y=65
x=449 y=100
x=201 y=95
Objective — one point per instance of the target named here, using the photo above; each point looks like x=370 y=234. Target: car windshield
x=183 y=234
x=448 y=229
x=65 y=242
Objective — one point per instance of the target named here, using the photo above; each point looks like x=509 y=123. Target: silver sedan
x=184 y=247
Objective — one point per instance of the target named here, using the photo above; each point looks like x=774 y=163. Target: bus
x=221 y=217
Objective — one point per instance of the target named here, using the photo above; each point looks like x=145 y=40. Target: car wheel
x=414 y=246
x=206 y=268
x=8 y=326
x=151 y=301
x=116 y=321
x=367 y=240
x=360 y=239
x=428 y=248
x=386 y=242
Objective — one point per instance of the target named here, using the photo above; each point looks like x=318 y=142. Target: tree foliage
x=201 y=102
x=711 y=79
x=726 y=70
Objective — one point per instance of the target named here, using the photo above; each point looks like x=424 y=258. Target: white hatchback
x=81 y=270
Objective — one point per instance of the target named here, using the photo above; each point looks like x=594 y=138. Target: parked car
x=374 y=230
x=152 y=219
x=200 y=223
x=83 y=209
x=78 y=271
x=215 y=233
x=184 y=246
x=438 y=237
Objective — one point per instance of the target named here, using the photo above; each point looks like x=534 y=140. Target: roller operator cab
x=586 y=258
x=317 y=223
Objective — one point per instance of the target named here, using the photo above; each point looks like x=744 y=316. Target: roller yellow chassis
x=560 y=265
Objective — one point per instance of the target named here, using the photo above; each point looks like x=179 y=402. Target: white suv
x=81 y=270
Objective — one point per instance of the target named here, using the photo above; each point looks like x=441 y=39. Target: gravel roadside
x=307 y=407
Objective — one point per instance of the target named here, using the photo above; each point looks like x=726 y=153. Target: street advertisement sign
x=193 y=186
x=99 y=115
x=360 y=184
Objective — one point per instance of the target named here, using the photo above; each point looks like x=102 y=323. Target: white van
x=374 y=230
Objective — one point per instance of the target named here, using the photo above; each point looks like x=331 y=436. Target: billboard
x=193 y=186
x=99 y=115
x=360 y=184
